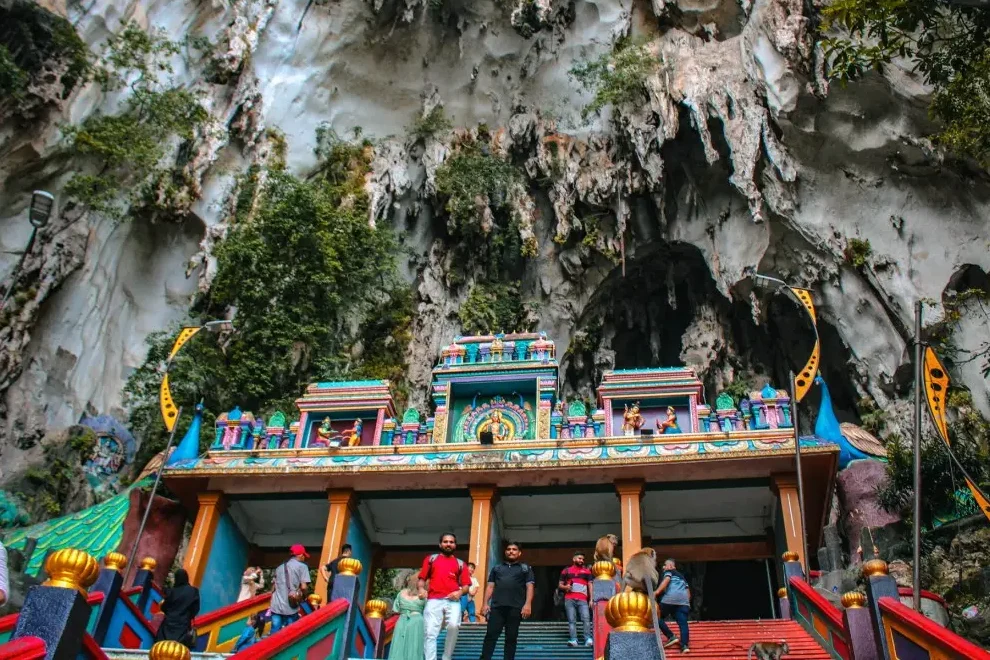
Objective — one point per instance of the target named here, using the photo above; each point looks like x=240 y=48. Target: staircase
x=537 y=641
x=730 y=640
x=710 y=640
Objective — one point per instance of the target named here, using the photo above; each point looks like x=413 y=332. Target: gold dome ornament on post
x=168 y=650
x=148 y=564
x=349 y=566
x=874 y=567
x=71 y=569
x=603 y=570
x=791 y=555
x=852 y=599
x=115 y=561
x=782 y=592
x=375 y=608
x=629 y=612
x=314 y=600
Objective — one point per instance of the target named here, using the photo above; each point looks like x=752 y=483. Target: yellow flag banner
x=169 y=412
x=936 y=379
x=184 y=336
x=805 y=378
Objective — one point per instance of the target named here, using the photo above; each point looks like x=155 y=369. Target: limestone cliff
x=741 y=158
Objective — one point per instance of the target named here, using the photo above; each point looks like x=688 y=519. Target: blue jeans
x=680 y=613
x=279 y=621
x=467 y=605
x=574 y=607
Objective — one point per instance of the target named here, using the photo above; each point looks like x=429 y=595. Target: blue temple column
x=110 y=581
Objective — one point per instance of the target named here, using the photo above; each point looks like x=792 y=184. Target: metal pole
x=800 y=476
x=154 y=489
x=916 y=576
x=773 y=609
x=16 y=273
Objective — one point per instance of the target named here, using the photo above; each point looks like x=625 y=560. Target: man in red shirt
x=448 y=580
x=575 y=582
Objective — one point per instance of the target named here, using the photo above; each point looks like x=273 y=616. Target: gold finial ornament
x=71 y=569
x=852 y=599
x=314 y=600
x=115 y=561
x=375 y=608
x=629 y=612
x=168 y=650
x=603 y=570
x=349 y=566
x=790 y=555
x=782 y=592
x=874 y=567
x=149 y=564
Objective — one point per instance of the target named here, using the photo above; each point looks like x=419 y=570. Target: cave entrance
x=736 y=590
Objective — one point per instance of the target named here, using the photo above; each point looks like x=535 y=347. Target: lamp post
x=39 y=213
x=798 y=386
x=170 y=414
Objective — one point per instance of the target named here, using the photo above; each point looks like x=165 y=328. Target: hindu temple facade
x=501 y=455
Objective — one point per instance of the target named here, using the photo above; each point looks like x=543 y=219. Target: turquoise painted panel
x=5 y=636
x=228 y=557
x=357 y=536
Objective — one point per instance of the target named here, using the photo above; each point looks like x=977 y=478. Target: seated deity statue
x=669 y=425
x=632 y=420
x=326 y=435
x=498 y=428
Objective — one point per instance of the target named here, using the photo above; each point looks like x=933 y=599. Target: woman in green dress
x=407 y=639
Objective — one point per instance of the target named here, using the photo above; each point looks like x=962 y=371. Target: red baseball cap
x=298 y=549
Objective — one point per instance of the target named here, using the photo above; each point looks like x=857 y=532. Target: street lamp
x=39 y=213
x=799 y=385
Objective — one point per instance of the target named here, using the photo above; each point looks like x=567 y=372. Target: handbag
x=294 y=596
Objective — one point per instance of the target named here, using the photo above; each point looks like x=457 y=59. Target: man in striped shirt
x=575 y=582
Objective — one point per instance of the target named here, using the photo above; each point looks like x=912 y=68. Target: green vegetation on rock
x=618 y=77
x=473 y=180
x=128 y=150
x=34 y=43
x=857 y=252
x=309 y=278
x=432 y=124
x=495 y=307
x=948 y=43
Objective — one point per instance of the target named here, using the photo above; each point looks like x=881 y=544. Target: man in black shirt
x=508 y=600
x=330 y=570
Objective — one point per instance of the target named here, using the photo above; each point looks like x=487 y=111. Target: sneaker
x=589 y=642
x=685 y=650
x=572 y=643
x=670 y=642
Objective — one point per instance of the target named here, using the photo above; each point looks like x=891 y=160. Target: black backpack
x=460 y=569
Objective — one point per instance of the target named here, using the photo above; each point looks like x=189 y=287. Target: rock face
x=857 y=490
x=738 y=158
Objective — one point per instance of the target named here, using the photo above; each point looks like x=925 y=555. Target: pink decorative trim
x=377 y=440
x=303 y=430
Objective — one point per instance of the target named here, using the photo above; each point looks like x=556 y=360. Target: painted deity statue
x=669 y=425
x=632 y=420
x=354 y=435
x=499 y=429
x=497 y=348
x=325 y=433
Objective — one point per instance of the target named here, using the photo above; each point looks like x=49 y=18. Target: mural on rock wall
x=113 y=450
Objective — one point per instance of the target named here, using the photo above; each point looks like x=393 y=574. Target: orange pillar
x=342 y=504
x=785 y=486
x=630 y=497
x=482 y=501
x=211 y=507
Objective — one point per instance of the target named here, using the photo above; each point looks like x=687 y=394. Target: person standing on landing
x=575 y=581
x=330 y=569
x=467 y=600
x=508 y=600
x=448 y=580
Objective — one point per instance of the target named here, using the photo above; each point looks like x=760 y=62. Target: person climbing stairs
x=710 y=640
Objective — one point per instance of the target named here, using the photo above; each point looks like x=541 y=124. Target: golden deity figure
x=497 y=348
x=632 y=421
x=499 y=429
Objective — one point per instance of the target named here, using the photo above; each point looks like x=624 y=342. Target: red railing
x=820 y=617
x=25 y=648
x=274 y=645
x=209 y=626
x=902 y=626
x=908 y=591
